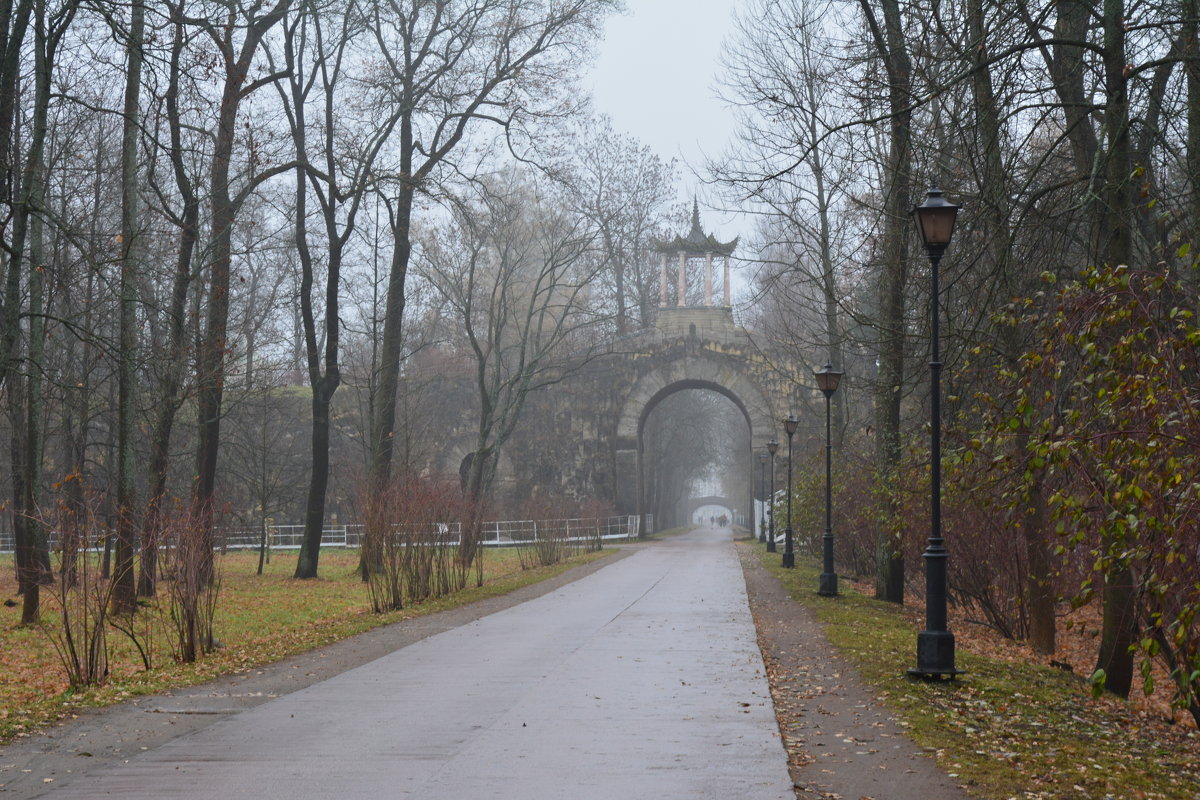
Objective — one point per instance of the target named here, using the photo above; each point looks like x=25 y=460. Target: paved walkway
x=642 y=680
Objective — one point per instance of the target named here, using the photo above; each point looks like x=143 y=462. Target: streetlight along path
x=641 y=680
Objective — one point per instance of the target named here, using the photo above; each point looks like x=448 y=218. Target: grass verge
x=1008 y=728
x=260 y=619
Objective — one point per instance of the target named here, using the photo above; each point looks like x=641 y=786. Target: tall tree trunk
x=175 y=357
x=1068 y=70
x=1154 y=229
x=265 y=432
x=35 y=526
x=324 y=371
x=1039 y=580
x=994 y=210
x=27 y=233
x=27 y=579
x=124 y=594
x=1192 y=65
x=619 y=280
x=78 y=418
x=890 y=46
x=833 y=336
x=478 y=480
x=384 y=401
x=214 y=344
x=322 y=393
x=1118 y=627
x=1115 y=239
x=14 y=26
x=10 y=318
x=993 y=214
x=314 y=508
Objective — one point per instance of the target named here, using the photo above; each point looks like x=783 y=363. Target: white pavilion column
x=708 y=279
x=662 y=281
x=682 y=279
x=728 y=302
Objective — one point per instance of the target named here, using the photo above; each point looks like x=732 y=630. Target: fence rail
x=495 y=533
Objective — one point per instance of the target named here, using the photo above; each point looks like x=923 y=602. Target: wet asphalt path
x=641 y=680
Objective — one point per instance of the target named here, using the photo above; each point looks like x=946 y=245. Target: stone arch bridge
x=585 y=438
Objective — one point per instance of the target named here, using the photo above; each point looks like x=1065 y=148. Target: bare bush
x=83 y=595
x=194 y=584
x=557 y=528
x=410 y=548
x=552 y=545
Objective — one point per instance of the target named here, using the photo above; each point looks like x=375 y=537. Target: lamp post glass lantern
x=772 y=448
x=935 y=645
x=828 y=379
x=935 y=221
x=762 y=492
x=789 y=555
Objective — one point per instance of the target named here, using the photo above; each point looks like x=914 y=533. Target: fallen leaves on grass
x=1012 y=727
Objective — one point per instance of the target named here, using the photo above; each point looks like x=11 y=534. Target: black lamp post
x=828 y=379
x=789 y=556
x=762 y=490
x=772 y=448
x=935 y=645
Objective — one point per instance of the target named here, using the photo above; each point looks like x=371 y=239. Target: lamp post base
x=828 y=586
x=770 y=544
x=935 y=656
x=789 y=559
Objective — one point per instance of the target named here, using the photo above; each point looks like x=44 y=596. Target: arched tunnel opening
x=695 y=452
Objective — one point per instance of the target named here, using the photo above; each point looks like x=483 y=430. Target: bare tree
x=124 y=590
x=797 y=172
x=25 y=202
x=336 y=170
x=626 y=191
x=454 y=67
x=891 y=48
x=236 y=32
x=514 y=269
x=170 y=356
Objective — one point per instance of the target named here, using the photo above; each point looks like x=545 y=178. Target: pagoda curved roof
x=697 y=242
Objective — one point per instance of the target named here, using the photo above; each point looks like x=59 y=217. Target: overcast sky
x=655 y=76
